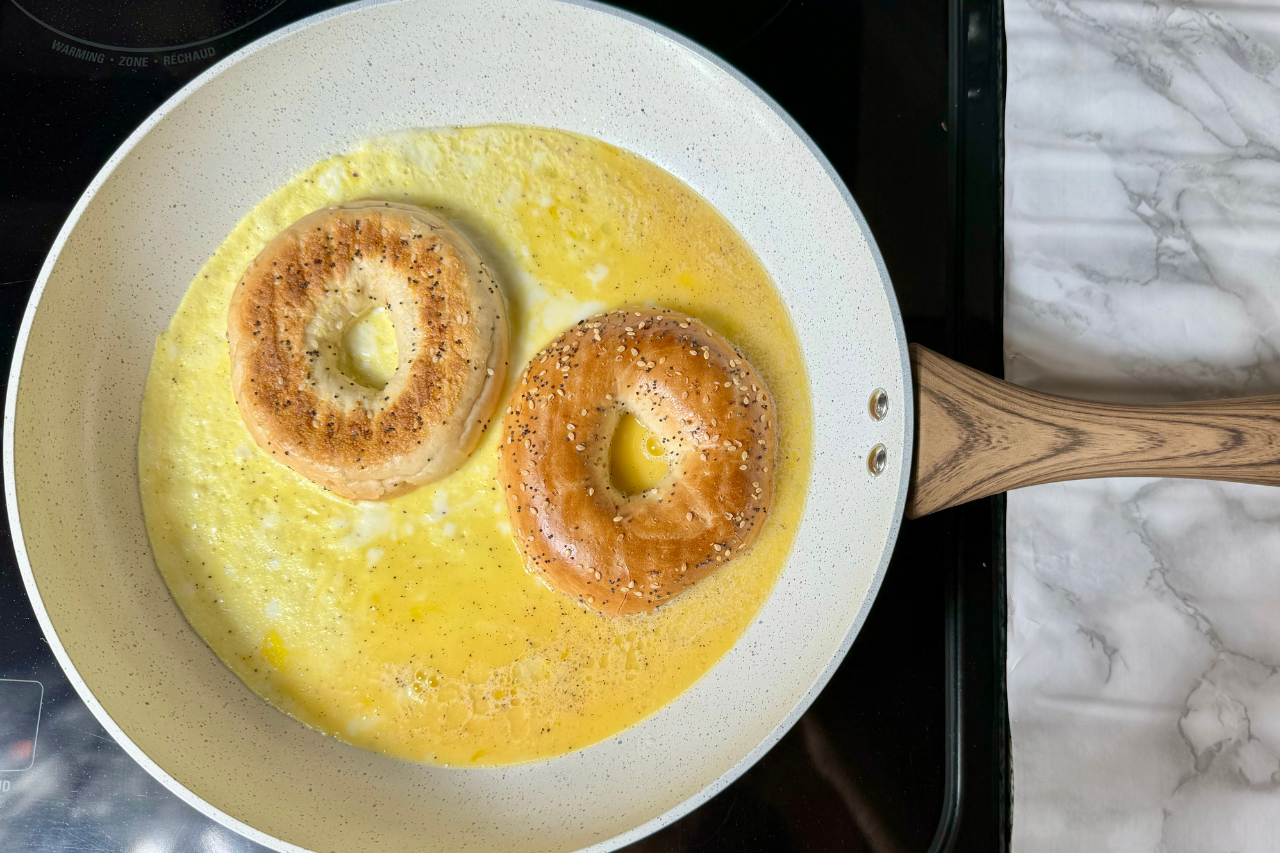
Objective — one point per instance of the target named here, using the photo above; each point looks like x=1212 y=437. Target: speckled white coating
x=166 y=200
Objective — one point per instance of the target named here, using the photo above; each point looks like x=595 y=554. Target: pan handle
x=977 y=435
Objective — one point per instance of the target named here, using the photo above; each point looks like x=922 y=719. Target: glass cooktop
x=905 y=749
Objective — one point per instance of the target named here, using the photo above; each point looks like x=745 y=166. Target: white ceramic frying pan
x=166 y=200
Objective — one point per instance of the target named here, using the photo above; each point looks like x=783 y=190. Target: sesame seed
x=490 y=371
x=617 y=518
x=688 y=516
x=579 y=447
x=597 y=576
x=590 y=599
x=742 y=467
x=716 y=546
x=590 y=492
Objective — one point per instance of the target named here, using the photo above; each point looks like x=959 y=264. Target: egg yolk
x=637 y=461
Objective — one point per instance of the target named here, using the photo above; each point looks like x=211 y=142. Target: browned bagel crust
x=622 y=554
x=285 y=321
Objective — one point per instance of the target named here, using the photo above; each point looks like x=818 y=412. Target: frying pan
x=178 y=185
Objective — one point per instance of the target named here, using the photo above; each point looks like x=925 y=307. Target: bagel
x=621 y=554
x=285 y=325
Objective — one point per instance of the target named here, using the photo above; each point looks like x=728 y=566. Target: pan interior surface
x=413 y=626
x=166 y=201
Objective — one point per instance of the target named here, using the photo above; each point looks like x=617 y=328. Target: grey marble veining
x=1143 y=263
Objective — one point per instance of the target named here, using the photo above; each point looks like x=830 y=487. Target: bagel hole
x=637 y=460
x=369 y=354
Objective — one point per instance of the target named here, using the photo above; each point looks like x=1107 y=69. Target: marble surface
x=1143 y=263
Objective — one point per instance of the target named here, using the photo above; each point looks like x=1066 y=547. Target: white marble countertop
x=1143 y=263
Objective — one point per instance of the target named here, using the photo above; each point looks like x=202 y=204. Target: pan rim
x=108 y=168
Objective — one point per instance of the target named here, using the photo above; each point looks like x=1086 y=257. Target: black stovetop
x=905 y=750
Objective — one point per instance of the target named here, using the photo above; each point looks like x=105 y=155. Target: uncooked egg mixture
x=411 y=626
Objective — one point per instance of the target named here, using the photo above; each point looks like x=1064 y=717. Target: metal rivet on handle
x=879 y=405
x=877 y=459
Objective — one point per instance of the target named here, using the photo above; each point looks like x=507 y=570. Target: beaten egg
x=411 y=626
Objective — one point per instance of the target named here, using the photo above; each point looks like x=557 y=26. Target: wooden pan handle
x=977 y=436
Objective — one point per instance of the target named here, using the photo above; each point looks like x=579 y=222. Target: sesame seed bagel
x=285 y=325
x=621 y=554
